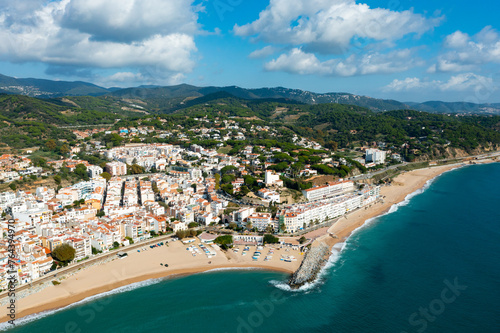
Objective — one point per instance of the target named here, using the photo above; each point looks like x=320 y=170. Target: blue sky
x=405 y=50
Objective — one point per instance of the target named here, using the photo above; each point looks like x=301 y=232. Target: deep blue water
x=431 y=266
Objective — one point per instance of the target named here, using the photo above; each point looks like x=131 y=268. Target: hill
x=27 y=121
x=340 y=125
x=158 y=99
x=48 y=88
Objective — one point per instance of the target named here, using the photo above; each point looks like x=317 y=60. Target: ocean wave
x=338 y=248
x=36 y=316
x=234 y=269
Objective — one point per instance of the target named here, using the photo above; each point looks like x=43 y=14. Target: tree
x=136 y=169
x=302 y=240
x=39 y=162
x=81 y=171
x=181 y=234
x=116 y=244
x=100 y=213
x=13 y=186
x=192 y=232
x=51 y=144
x=113 y=139
x=64 y=253
x=249 y=225
x=106 y=175
x=217 y=181
x=224 y=241
x=233 y=225
x=64 y=149
x=192 y=225
x=95 y=251
x=57 y=179
x=270 y=239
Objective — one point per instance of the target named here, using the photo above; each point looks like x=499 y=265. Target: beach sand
x=143 y=266
x=146 y=265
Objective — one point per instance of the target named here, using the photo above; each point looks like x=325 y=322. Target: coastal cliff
x=310 y=267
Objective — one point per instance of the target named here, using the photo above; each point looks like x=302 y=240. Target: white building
x=300 y=216
x=375 y=156
x=327 y=191
x=269 y=195
x=94 y=171
x=260 y=221
x=271 y=178
x=116 y=168
x=241 y=215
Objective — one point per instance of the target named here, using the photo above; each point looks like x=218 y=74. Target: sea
x=432 y=264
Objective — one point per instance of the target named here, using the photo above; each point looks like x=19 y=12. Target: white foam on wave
x=33 y=317
x=234 y=269
x=308 y=286
x=340 y=247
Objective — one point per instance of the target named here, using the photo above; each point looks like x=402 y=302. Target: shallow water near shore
x=433 y=265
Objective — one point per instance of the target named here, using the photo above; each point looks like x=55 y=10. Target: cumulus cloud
x=329 y=26
x=459 y=83
x=129 y=20
x=102 y=34
x=299 y=62
x=464 y=53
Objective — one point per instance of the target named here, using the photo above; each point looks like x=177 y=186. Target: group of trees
x=186 y=233
x=224 y=241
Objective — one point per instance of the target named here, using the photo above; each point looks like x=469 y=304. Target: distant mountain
x=456 y=107
x=168 y=99
x=185 y=91
x=48 y=88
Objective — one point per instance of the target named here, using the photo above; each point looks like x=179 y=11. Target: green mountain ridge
x=171 y=98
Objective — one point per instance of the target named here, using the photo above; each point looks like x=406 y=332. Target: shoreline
x=103 y=291
x=119 y=275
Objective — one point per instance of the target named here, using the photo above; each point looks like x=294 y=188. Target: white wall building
x=375 y=156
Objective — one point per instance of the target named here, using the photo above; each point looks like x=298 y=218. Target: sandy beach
x=147 y=264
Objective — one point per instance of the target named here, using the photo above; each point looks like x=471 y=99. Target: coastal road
x=392 y=167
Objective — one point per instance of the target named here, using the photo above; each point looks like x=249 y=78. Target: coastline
x=140 y=267
x=403 y=185
x=145 y=266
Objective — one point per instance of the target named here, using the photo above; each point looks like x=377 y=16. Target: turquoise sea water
x=431 y=266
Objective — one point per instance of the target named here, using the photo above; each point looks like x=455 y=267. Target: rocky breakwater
x=314 y=260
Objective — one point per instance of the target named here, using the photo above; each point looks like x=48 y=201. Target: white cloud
x=458 y=83
x=328 y=26
x=129 y=20
x=102 y=34
x=465 y=53
x=263 y=52
x=299 y=62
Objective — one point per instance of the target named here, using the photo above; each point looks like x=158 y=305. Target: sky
x=406 y=50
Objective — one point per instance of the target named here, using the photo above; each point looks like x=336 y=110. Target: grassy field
x=224 y=150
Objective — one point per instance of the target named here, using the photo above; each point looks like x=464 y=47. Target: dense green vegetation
x=342 y=126
x=27 y=122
